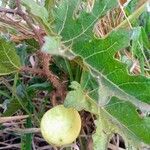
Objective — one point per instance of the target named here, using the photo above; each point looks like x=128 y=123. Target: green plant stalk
x=26 y=139
x=146 y=60
x=141 y=61
x=95 y=108
x=78 y=74
x=100 y=138
x=32 y=110
x=69 y=69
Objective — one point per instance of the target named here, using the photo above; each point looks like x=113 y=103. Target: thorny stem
x=60 y=88
x=45 y=57
x=43 y=72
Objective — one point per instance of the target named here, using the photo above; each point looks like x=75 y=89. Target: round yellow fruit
x=60 y=126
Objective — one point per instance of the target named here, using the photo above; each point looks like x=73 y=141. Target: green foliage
x=100 y=83
x=52 y=44
x=89 y=84
x=9 y=60
x=100 y=137
x=39 y=13
x=145 y=21
x=26 y=139
x=49 y=4
x=137 y=124
x=98 y=55
x=39 y=86
x=3 y=3
x=12 y=107
x=79 y=100
x=21 y=51
x=12 y=4
x=36 y=9
x=139 y=43
x=130 y=8
x=74 y=18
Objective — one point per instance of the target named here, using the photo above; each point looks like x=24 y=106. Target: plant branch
x=60 y=86
x=12 y=118
x=6 y=10
x=16 y=25
x=43 y=72
x=24 y=16
x=27 y=19
x=46 y=58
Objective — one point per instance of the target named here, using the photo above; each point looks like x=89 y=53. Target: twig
x=23 y=131
x=6 y=10
x=7 y=119
x=45 y=147
x=23 y=15
x=19 y=12
x=17 y=25
x=10 y=146
x=114 y=147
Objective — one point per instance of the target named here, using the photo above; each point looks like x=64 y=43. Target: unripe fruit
x=60 y=126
